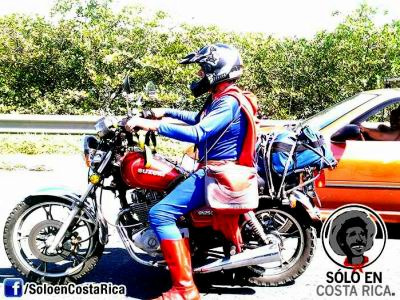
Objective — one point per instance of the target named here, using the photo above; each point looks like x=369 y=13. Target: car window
x=383 y=116
x=384 y=124
x=381 y=123
x=332 y=113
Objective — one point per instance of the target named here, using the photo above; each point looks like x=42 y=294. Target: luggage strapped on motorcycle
x=281 y=154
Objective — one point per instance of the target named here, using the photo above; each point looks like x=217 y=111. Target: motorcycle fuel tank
x=158 y=175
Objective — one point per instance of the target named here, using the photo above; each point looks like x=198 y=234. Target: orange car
x=368 y=171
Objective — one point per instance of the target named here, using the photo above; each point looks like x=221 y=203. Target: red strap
x=248 y=102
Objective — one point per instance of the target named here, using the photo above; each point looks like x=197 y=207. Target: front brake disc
x=40 y=238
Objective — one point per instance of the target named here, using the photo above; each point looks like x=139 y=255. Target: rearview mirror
x=126 y=86
x=348 y=132
x=151 y=90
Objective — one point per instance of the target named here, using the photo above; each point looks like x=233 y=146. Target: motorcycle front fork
x=77 y=208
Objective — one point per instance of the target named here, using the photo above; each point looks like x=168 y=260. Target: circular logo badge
x=354 y=236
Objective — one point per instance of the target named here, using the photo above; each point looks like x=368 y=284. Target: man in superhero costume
x=220 y=67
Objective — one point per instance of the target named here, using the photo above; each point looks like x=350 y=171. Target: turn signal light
x=292 y=202
x=320 y=182
x=94 y=178
x=87 y=160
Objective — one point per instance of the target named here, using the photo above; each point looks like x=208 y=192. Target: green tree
x=71 y=63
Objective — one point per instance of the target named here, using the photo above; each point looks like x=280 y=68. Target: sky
x=281 y=18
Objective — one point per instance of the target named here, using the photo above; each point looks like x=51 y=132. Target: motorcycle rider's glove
x=141 y=123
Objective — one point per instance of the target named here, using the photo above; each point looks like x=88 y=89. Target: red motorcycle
x=57 y=235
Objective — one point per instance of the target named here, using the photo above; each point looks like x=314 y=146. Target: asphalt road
x=142 y=282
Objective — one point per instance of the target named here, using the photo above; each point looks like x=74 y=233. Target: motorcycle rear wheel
x=27 y=251
x=295 y=264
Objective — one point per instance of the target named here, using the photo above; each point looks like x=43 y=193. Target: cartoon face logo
x=351 y=232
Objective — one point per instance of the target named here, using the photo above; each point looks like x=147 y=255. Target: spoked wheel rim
x=34 y=231
x=282 y=228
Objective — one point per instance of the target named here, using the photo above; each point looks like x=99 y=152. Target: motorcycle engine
x=142 y=202
x=146 y=240
x=143 y=236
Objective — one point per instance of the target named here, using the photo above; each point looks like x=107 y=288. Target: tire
x=255 y=276
x=29 y=203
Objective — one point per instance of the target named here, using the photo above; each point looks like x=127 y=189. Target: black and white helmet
x=219 y=62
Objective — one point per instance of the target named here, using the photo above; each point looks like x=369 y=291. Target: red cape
x=228 y=224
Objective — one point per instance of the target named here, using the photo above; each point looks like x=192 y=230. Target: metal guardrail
x=66 y=124
x=47 y=124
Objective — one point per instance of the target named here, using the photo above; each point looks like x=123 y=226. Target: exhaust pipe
x=262 y=255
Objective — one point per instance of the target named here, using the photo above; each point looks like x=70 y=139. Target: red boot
x=177 y=256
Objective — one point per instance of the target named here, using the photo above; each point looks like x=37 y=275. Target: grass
x=38 y=144
x=11 y=166
x=7 y=166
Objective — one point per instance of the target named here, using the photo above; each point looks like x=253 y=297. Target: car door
x=368 y=173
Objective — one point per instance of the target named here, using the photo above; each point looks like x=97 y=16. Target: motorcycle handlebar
x=147 y=113
x=122 y=123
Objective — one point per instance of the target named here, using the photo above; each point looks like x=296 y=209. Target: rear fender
x=305 y=201
x=71 y=197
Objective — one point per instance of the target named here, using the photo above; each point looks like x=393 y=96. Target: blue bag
x=306 y=149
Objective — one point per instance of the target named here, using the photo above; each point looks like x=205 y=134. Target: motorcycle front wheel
x=30 y=230
x=297 y=243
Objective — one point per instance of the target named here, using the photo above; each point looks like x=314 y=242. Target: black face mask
x=200 y=87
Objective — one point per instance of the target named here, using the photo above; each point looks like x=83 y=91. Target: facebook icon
x=13 y=287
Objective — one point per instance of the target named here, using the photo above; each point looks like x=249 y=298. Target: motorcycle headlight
x=105 y=125
x=94 y=158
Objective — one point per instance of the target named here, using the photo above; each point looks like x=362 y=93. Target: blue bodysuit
x=189 y=195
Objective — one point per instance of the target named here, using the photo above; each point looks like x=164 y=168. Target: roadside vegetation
x=17 y=145
x=38 y=144
x=72 y=62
